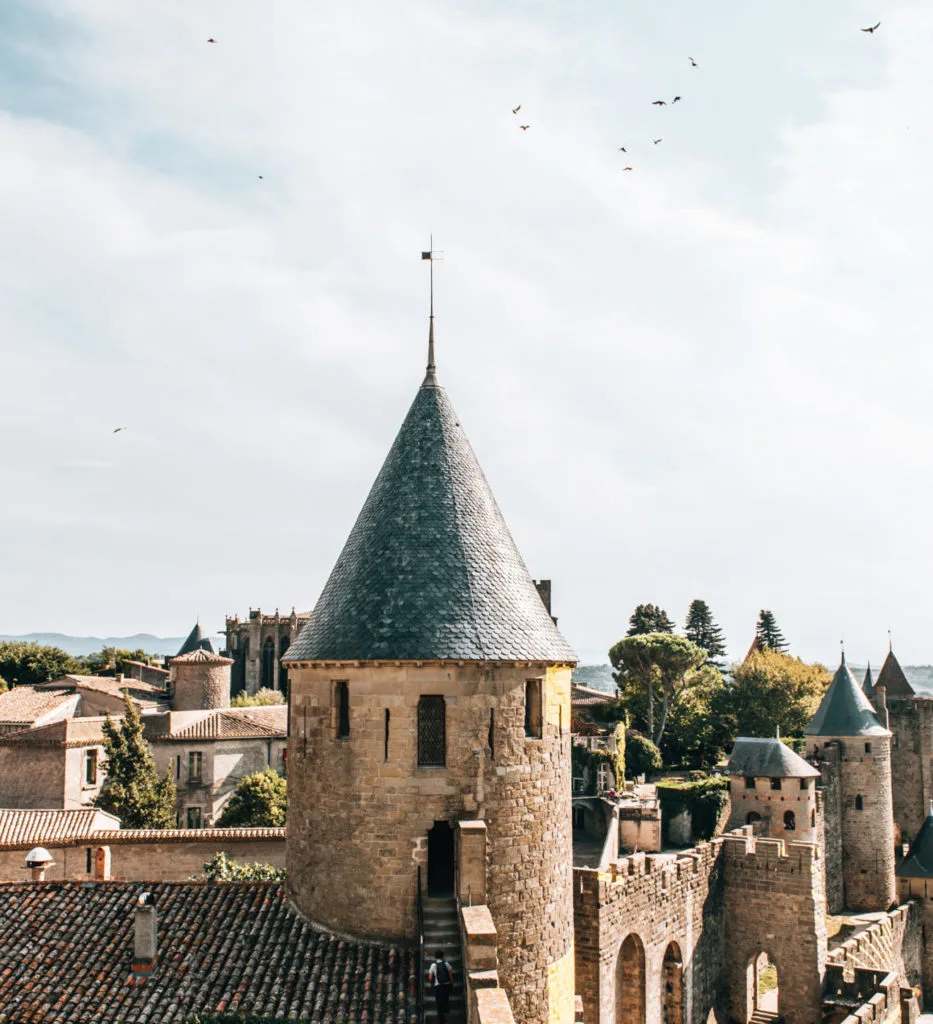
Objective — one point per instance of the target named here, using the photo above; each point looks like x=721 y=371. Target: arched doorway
x=762 y=992
x=268 y=664
x=441 y=860
x=672 y=986
x=630 y=982
x=752 y=817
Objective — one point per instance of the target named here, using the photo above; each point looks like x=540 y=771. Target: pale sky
x=707 y=377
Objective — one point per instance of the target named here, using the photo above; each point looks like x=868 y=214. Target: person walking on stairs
x=442 y=979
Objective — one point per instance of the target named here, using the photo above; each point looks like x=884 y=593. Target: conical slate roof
x=844 y=710
x=919 y=861
x=430 y=570
x=868 y=684
x=892 y=678
x=196 y=641
x=770 y=758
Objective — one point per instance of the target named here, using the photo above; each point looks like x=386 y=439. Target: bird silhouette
x=656 y=141
x=515 y=110
x=676 y=99
x=260 y=177
x=212 y=40
x=626 y=168
x=524 y=127
x=622 y=149
x=658 y=103
x=693 y=63
x=117 y=431
x=873 y=27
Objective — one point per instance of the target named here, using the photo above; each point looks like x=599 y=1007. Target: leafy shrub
x=642 y=757
x=263 y=697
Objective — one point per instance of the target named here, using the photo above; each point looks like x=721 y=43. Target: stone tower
x=430 y=685
x=199 y=680
x=846 y=719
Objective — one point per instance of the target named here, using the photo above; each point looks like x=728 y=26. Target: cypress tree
x=132 y=789
x=649 y=618
x=768 y=634
x=703 y=630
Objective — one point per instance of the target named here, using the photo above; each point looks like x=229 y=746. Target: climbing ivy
x=705 y=799
x=587 y=762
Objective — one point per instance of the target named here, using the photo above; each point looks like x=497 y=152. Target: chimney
x=544 y=592
x=119 y=677
x=38 y=861
x=881 y=695
x=146 y=935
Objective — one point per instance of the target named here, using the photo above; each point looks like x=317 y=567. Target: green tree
x=770 y=689
x=642 y=757
x=703 y=630
x=3 y=685
x=649 y=618
x=25 y=664
x=261 y=698
x=657 y=666
x=697 y=734
x=768 y=634
x=132 y=789
x=258 y=801
x=221 y=868
x=110 y=660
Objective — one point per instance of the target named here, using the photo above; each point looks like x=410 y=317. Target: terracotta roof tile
x=234 y=948
x=41 y=828
x=201 y=657
x=23 y=705
x=70 y=732
x=231 y=725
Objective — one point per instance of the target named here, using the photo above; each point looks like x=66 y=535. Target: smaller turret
x=196 y=641
x=200 y=681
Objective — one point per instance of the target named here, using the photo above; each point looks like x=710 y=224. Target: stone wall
x=829 y=827
x=651 y=907
x=774 y=904
x=911 y=722
x=32 y=776
x=360 y=809
x=920 y=891
x=196 y=685
x=158 y=857
x=891 y=944
x=797 y=796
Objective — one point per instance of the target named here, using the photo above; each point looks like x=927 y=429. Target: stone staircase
x=441 y=931
x=764 y=1017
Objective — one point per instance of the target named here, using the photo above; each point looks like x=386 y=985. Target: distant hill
x=599 y=677
x=78 y=645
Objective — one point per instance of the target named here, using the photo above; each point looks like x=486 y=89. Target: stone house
x=28 y=707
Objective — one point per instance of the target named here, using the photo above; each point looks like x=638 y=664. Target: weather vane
x=431 y=255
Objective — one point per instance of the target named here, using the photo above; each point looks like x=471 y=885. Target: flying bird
x=656 y=141
x=117 y=431
x=626 y=168
x=260 y=177
x=873 y=27
x=212 y=40
x=658 y=103
x=524 y=127
x=693 y=63
x=676 y=99
x=622 y=149
x=515 y=110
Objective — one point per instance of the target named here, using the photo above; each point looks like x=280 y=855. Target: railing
x=420 y=951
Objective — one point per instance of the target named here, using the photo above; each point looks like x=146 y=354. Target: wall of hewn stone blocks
x=911 y=722
x=893 y=943
x=829 y=827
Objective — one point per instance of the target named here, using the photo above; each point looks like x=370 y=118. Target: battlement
x=752 y=853
x=875 y=943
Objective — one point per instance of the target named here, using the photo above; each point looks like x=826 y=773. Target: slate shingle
x=430 y=570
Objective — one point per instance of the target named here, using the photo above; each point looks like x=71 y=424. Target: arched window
x=672 y=986
x=283 y=671
x=790 y=822
x=752 y=817
x=432 y=732
x=268 y=664
x=858 y=802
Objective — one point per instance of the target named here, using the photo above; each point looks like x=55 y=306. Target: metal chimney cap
x=145 y=899
x=38 y=858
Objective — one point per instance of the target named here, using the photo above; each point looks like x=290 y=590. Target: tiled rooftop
x=586 y=696
x=23 y=705
x=223 y=948
x=186 y=835
x=233 y=724
x=199 y=656
x=71 y=732
x=143 y=693
x=40 y=828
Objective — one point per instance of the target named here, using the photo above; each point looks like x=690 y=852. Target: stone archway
x=672 y=986
x=762 y=994
x=630 y=982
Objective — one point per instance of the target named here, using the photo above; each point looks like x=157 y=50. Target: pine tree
x=703 y=630
x=132 y=789
x=768 y=634
x=649 y=618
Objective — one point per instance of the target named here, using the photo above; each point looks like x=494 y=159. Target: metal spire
x=430 y=377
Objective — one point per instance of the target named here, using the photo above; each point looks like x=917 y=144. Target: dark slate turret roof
x=869 y=684
x=430 y=570
x=844 y=710
x=767 y=757
x=892 y=678
x=919 y=861
x=196 y=641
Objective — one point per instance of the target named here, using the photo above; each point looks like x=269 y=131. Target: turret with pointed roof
x=860 y=750
x=892 y=678
x=196 y=641
x=430 y=686
x=868 y=685
x=919 y=861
